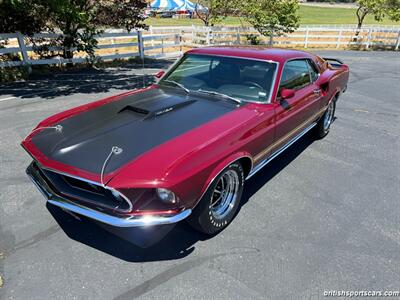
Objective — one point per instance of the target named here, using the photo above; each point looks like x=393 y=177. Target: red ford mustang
x=183 y=148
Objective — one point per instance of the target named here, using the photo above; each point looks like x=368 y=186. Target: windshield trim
x=268 y=101
x=238 y=101
x=178 y=84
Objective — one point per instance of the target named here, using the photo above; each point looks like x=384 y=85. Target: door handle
x=317 y=92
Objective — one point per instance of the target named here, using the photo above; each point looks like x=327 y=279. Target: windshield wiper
x=224 y=96
x=177 y=84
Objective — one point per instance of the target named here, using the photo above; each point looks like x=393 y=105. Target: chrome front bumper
x=129 y=221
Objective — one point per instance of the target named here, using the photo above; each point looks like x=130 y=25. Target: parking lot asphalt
x=325 y=215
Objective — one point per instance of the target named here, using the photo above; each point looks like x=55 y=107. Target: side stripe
x=287 y=136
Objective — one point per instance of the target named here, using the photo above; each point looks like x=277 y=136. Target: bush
x=14 y=74
x=253 y=39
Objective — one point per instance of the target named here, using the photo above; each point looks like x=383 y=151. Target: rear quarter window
x=321 y=64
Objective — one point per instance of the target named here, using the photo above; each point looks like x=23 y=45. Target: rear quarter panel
x=338 y=79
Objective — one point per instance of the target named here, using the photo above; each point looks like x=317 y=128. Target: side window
x=313 y=70
x=295 y=75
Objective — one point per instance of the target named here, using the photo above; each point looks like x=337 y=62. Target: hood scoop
x=151 y=109
x=135 y=109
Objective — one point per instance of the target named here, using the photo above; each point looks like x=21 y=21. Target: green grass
x=327 y=15
x=308 y=15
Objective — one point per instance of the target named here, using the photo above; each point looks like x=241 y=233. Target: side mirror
x=323 y=79
x=160 y=74
x=287 y=93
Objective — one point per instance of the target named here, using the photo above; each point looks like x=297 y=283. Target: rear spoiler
x=336 y=62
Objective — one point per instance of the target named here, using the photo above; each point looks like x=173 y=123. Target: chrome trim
x=227 y=196
x=328 y=117
x=168 y=70
x=141 y=221
x=273 y=83
x=287 y=136
x=127 y=200
x=279 y=151
x=239 y=57
x=295 y=58
x=129 y=221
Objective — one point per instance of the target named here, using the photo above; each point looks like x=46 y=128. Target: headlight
x=166 y=196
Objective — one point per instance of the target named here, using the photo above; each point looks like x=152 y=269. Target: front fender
x=221 y=166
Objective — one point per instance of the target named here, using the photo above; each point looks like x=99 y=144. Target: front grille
x=84 y=192
x=83 y=185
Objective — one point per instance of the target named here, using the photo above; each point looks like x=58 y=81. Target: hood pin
x=114 y=150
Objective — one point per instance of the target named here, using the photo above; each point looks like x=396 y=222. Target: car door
x=314 y=74
x=292 y=115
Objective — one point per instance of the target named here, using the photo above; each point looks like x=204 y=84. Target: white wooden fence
x=315 y=36
x=164 y=42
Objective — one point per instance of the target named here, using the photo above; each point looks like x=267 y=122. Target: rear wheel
x=324 y=124
x=221 y=201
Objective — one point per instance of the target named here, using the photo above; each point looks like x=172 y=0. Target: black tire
x=324 y=124
x=205 y=217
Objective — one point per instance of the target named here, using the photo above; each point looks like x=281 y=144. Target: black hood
x=135 y=123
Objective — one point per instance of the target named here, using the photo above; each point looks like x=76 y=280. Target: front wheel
x=324 y=124
x=221 y=201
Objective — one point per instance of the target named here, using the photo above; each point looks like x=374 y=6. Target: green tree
x=272 y=17
x=78 y=21
x=393 y=9
x=25 y=16
x=379 y=9
x=213 y=11
x=126 y=14
x=81 y=20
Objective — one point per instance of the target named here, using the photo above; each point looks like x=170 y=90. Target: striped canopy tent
x=174 y=5
x=166 y=4
x=187 y=5
x=190 y=6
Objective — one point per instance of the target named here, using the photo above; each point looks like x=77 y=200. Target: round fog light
x=166 y=196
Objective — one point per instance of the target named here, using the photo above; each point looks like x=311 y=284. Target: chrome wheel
x=329 y=116
x=221 y=201
x=225 y=195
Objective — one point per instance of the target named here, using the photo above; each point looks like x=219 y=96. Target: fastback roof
x=275 y=54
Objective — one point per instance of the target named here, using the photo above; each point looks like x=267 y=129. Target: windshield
x=244 y=79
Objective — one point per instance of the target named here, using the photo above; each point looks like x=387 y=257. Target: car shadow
x=167 y=242
x=275 y=166
x=51 y=85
